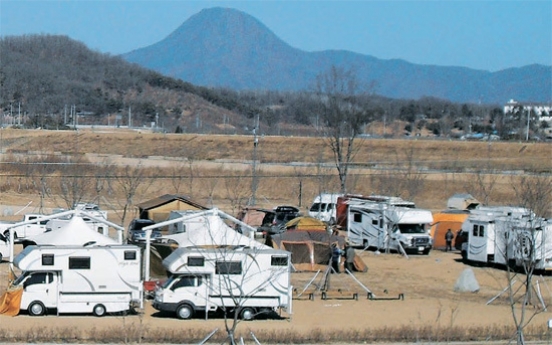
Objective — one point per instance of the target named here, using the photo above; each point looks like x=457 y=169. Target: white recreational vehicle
x=4 y=247
x=324 y=207
x=247 y=281
x=507 y=235
x=80 y=279
x=385 y=223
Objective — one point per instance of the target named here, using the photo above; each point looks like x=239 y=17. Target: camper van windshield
x=315 y=207
x=411 y=228
x=20 y=278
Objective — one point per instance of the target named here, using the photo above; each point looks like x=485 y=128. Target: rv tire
x=0 y=257
x=247 y=314
x=464 y=256
x=36 y=308
x=99 y=310
x=184 y=311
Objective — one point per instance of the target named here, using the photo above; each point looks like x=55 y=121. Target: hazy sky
x=489 y=35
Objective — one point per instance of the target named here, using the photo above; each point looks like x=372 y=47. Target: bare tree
x=343 y=115
x=74 y=185
x=129 y=179
x=526 y=247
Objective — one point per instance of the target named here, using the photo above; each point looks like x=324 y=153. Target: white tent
x=75 y=232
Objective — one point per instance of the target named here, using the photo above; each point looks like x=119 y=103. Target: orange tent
x=444 y=220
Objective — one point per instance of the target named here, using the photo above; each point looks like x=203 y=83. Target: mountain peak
x=224 y=47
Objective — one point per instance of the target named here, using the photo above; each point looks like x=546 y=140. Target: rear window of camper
x=279 y=260
x=130 y=255
x=228 y=267
x=79 y=263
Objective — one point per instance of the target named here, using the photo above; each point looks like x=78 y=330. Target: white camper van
x=247 y=281
x=80 y=279
x=324 y=207
x=386 y=223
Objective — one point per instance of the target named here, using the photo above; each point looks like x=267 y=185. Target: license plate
x=421 y=249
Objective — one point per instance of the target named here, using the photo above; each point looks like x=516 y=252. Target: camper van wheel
x=184 y=311
x=323 y=296
x=99 y=310
x=36 y=308
x=0 y=257
x=247 y=314
x=464 y=256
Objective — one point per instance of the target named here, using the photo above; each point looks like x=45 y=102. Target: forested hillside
x=46 y=80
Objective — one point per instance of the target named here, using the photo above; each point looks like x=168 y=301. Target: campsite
x=395 y=297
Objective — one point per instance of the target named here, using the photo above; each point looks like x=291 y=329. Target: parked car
x=274 y=221
x=137 y=235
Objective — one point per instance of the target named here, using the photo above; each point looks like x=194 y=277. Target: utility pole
x=254 y=181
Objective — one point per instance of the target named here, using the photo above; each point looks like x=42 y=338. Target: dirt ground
x=426 y=282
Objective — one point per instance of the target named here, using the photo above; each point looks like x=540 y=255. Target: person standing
x=336 y=257
x=448 y=239
x=349 y=257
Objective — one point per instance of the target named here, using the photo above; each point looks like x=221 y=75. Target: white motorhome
x=324 y=207
x=386 y=223
x=247 y=281
x=507 y=235
x=80 y=279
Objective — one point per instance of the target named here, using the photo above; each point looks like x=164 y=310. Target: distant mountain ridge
x=222 y=47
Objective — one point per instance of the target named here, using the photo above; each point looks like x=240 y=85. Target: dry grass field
x=217 y=171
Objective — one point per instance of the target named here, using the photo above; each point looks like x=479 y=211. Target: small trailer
x=80 y=279
x=235 y=280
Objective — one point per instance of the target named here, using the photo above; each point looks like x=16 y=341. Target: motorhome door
x=477 y=242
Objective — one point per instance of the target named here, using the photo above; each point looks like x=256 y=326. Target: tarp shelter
x=158 y=209
x=444 y=220
x=310 y=244
x=76 y=232
x=462 y=201
x=306 y=223
x=252 y=216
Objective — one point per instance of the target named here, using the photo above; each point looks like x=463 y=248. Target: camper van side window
x=47 y=259
x=475 y=230
x=357 y=217
x=79 y=263
x=196 y=261
x=481 y=231
x=228 y=267
x=278 y=260
x=130 y=255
